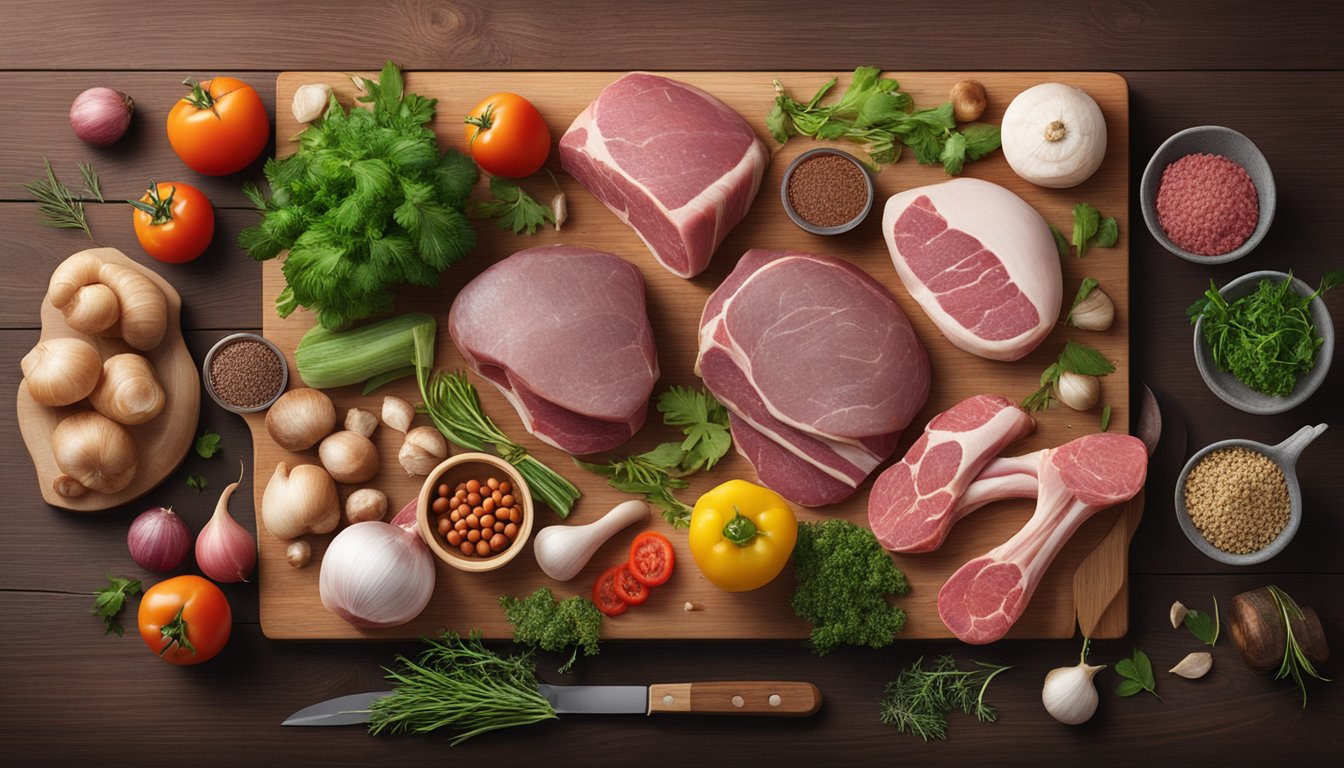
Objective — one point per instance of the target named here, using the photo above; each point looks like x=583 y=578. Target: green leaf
x=981 y=139
x=1128 y=688
x=196 y=481
x=207 y=444
x=954 y=153
x=1138 y=675
x=513 y=208
x=108 y=602
x=1084 y=360
x=1061 y=242
x=1086 y=220
x=1107 y=234
x=1204 y=626
x=1105 y=418
x=454 y=177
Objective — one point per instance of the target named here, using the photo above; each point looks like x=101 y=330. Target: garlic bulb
x=95 y=452
x=563 y=550
x=1077 y=391
x=1069 y=694
x=398 y=414
x=422 y=451
x=61 y=371
x=1054 y=135
x=1096 y=312
x=128 y=392
x=376 y=574
x=311 y=101
x=300 y=418
x=300 y=501
x=349 y=456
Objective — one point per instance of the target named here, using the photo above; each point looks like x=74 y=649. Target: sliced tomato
x=630 y=590
x=652 y=559
x=604 y=592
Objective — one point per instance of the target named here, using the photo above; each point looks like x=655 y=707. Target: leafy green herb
x=1090 y=230
x=1138 y=675
x=1267 y=338
x=108 y=602
x=57 y=204
x=541 y=621
x=1107 y=235
x=90 y=177
x=1088 y=286
x=919 y=700
x=1076 y=358
x=1295 y=662
x=453 y=405
x=207 y=444
x=656 y=474
x=1203 y=626
x=873 y=111
x=463 y=685
x=367 y=203
x=1061 y=242
x=844 y=579
x=1105 y=418
x=513 y=208
x=196 y=481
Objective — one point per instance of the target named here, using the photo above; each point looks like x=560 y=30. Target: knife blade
x=756 y=697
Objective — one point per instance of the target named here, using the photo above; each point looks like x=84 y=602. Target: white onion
x=100 y=116
x=376 y=574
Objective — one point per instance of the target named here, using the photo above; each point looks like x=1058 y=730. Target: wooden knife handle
x=753 y=697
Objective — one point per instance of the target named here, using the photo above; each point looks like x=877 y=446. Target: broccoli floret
x=539 y=620
x=844 y=577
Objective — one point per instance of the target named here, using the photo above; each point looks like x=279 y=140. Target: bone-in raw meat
x=563 y=333
x=670 y=160
x=985 y=597
x=981 y=263
x=913 y=503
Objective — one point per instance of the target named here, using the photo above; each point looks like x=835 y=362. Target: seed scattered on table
x=1238 y=500
x=246 y=373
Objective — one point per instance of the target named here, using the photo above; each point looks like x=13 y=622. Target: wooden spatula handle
x=754 y=697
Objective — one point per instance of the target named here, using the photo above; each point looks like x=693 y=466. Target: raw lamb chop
x=985 y=597
x=563 y=333
x=673 y=162
x=981 y=263
x=819 y=367
x=914 y=503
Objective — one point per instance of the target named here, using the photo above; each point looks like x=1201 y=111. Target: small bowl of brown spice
x=244 y=373
x=1239 y=502
x=826 y=191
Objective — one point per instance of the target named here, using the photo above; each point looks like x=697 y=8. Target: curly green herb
x=541 y=621
x=919 y=700
x=844 y=580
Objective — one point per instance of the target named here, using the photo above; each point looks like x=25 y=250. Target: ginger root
x=97 y=297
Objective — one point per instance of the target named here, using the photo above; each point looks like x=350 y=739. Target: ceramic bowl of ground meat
x=1208 y=195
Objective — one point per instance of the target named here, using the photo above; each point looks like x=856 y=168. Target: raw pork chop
x=817 y=359
x=981 y=263
x=673 y=162
x=563 y=333
x=985 y=597
x=913 y=503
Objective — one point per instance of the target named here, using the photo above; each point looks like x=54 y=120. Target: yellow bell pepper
x=742 y=535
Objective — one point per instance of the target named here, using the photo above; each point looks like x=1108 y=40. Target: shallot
x=225 y=550
x=100 y=116
x=158 y=540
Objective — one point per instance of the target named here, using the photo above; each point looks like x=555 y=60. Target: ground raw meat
x=981 y=263
x=673 y=162
x=563 y=333
x=1207 y=204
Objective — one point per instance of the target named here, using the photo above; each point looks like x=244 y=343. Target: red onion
x=100 y=116
x=158 y=540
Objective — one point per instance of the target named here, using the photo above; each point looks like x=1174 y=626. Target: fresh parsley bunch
x=366 y=203
x=541 y=621
x=844 y=580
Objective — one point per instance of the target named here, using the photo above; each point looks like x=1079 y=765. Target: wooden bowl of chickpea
x=475 y=512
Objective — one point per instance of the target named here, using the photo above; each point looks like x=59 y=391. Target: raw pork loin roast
x=818 y=367
x=563 y=333
x=671 y=161
x=981 y=263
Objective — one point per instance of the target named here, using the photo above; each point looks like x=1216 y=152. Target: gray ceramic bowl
x=227 y=340
x=1217 y=140
x=1285 y=455
x=1238 y=395
x=808 y=226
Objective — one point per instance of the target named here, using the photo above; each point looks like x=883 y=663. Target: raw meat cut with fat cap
x=673 y=162
x=982 y=600
x=563 y=332
x=980 y=261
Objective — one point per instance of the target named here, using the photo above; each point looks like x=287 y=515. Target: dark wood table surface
x=70 y=696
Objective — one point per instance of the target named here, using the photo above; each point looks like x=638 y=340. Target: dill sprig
x=463 y=685
x=919 y=699
x=57 y=204
x=90 y=177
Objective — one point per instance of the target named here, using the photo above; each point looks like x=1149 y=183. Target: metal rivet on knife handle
x=763 y=697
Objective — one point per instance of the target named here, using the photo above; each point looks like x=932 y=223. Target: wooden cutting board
x=290 y=605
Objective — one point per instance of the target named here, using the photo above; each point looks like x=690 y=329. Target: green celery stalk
x=329 y=358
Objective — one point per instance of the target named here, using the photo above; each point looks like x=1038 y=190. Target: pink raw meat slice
x=562 y=331
x=785 y=473
x=985 y=597
x=981 y=263
x=912 y=505
x=673 y=162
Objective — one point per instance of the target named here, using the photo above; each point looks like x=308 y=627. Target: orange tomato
x=174 y=222
x=507 y=136
x=185 y=620
x=220 y=127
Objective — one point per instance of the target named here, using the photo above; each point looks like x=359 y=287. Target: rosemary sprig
x=463 y=685
x=1295 y=662
x=91 y=181
x=57 y=204
x=920 y=699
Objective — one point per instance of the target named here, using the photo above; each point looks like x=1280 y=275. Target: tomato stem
x=160 y=210
x=483 y=122
x=175 y=632
x=199 y=97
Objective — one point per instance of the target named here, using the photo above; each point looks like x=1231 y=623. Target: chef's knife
x=756 y=697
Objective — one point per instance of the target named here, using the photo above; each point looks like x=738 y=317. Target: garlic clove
x=1194 y=666
x=1077 y=391
x=128 y=392
x=1096 y=312
x=310 y=101
x=298 y=553
x=1178 y=612
x=361 y=421
x=365 y=504
x=560 y=209
x=398 y=414
x=423 y=450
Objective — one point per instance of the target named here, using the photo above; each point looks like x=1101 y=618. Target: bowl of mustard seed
x=244 y=373
x=826 y=191
x=1239 y=502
